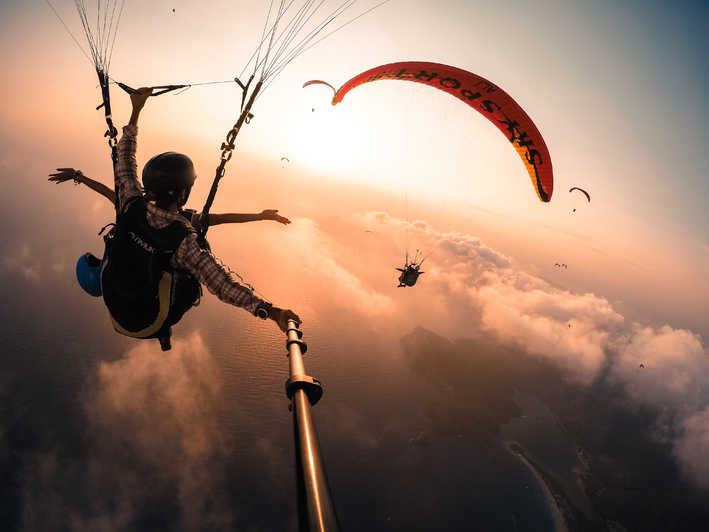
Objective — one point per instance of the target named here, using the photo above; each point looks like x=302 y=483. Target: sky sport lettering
x=520 y=138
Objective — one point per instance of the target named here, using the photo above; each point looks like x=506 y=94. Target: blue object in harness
x=88 y=273
x=144 y=294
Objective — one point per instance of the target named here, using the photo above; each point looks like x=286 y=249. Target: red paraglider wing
x=483 y=96
x=588 y=196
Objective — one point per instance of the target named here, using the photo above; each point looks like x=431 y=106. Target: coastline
x=557 y=514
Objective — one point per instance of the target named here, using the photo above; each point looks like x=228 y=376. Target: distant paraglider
x=318 y=82
x=411 y=271
x=582 y=191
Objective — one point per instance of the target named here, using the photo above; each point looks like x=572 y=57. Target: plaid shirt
x=189 y=255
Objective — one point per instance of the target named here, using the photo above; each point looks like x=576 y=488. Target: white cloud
x=692 y=447
x=320 y=264
x=528 y=311
x=163 y=406
x=167 y=395
x=675 y=370
x=582 y=333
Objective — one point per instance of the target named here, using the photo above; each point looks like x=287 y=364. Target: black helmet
x=166 y=174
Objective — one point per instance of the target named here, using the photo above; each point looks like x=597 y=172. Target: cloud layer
x=660 y=366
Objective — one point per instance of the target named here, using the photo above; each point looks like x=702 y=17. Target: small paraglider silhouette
x=411 y=271
x=285 y=161
x=318 y=82
x=582 y=191
x=642 y=365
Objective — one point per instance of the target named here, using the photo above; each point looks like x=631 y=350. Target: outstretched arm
x=126 y=168
x=65 y=174
x=220 y=281
x=238 y=218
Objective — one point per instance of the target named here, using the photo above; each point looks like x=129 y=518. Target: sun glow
x=333 y=140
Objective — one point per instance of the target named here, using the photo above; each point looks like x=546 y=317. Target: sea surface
x=386 y=471
x=388 y=468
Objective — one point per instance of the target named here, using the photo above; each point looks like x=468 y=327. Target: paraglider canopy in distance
x=588 y=196
x=319 y=82
x=483 y=96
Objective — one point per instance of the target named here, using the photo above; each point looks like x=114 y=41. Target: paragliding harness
x=144 y=294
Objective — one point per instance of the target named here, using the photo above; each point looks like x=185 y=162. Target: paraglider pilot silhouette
x=411 y=271
x=153 y=264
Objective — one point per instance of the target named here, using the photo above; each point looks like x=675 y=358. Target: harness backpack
x=145 y=296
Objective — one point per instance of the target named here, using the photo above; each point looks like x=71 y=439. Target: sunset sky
x=617 y=89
